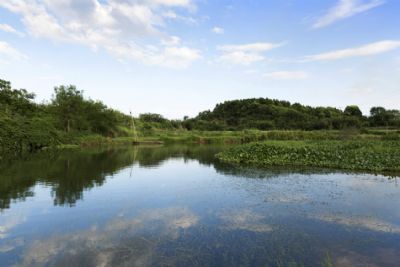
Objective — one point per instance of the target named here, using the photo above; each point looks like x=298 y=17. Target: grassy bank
x=247 y=136
x=367 y=155
x=182 y=136
x=227 y=137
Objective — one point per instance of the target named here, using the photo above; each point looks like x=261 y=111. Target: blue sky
x=180 y=57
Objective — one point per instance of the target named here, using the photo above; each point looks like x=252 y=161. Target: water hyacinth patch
x=373 y=156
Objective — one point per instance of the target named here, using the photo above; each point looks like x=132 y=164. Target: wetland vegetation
x=373 y=156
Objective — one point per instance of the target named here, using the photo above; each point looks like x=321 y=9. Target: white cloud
x=171 y=41
x=8 y=52
x=10 y=29
x=250 y=48
x=131 y=29
x=217 y=30
x=239 y=57
x=366 y=50
x=183 y=3
x=245 y=54
x=173 y=16
x=345 y=9
x=176 y=57
x=170 y=56
x=287 y=75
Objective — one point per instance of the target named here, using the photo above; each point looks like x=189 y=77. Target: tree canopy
x=268 y=114
x=26 y=125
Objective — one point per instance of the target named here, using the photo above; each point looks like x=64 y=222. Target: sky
x=181 y=57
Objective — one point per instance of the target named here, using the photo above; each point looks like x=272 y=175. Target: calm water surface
x=178 y=206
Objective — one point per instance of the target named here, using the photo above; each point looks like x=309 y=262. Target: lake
x=179 y=206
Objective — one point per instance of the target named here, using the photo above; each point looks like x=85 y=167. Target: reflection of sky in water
x=191 y=211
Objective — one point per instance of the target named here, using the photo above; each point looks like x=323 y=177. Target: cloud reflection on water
x=130 y=241
x=244 y=219
x=370 y=223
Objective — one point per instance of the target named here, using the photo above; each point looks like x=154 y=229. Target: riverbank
x=376 y=156
x=159 y=137
x=247 y=136
x=228 y=137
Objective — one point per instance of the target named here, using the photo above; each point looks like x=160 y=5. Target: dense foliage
x=374 y=156
x=23 y=124
x=149 y=122
x=26 y=125
x=75 y=113
x=267 y=114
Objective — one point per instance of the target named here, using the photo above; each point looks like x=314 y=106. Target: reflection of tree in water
x=155 y=156
x=264 y=172
x=69 y=173
x=274 y=171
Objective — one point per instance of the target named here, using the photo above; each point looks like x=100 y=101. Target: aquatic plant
x=373 y=156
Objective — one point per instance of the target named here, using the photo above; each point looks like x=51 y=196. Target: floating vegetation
x=372 y=156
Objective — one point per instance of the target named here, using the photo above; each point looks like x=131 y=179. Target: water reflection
x=70 y=173
x=127 y=241
x=244 y=220
x=178 y=206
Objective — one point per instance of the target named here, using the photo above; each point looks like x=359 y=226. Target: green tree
x=15 y=101
x=152 y=117
x=24 y=125
x=353 y=111
x=379 y=116
x=68 y=105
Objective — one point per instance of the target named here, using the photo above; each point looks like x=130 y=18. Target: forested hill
x=266 y=114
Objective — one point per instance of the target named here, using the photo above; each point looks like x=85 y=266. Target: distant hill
x=267 y=114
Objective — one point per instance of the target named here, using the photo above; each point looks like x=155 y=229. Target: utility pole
x=135 y=137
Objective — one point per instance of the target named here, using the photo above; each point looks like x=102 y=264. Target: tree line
x=27 y=125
